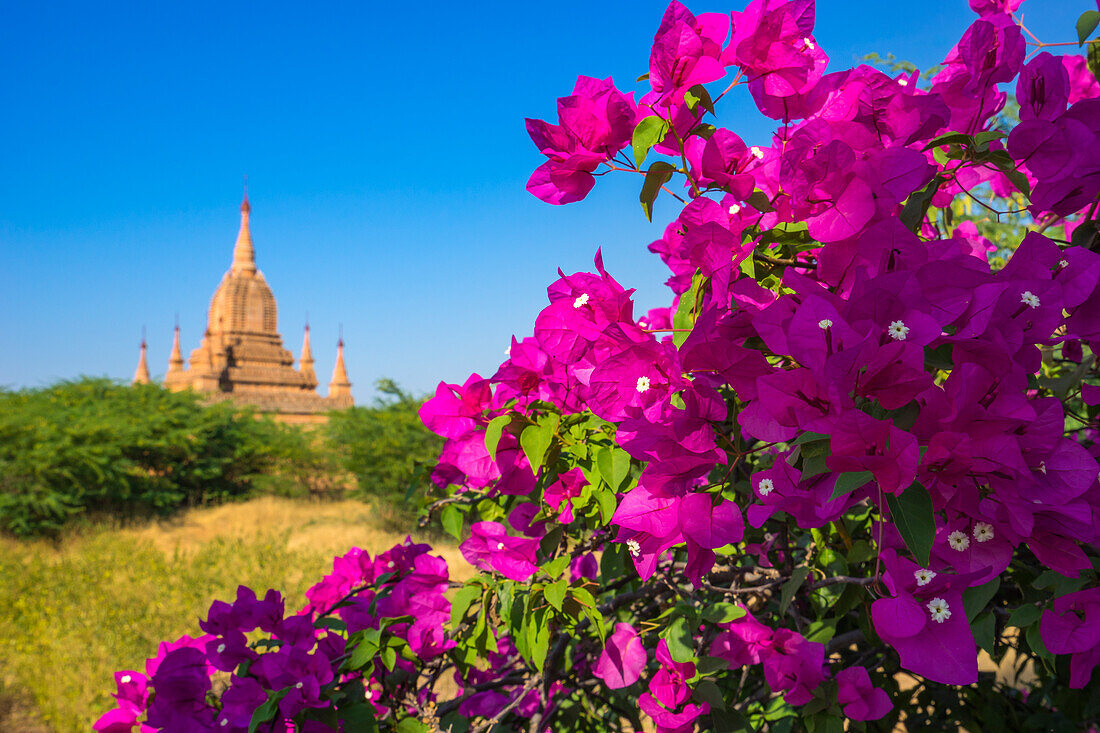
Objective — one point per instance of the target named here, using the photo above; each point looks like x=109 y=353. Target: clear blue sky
x=386 y=155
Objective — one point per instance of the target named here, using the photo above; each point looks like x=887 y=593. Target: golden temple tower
x=241 y=356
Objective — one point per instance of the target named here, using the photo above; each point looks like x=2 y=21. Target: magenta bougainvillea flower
x=861 y=699
x=490 y=547
x=623 y=658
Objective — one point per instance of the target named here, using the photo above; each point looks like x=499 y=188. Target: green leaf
x=950 y=138
x=1086 y=24
x=814 y=466
x=364 y=652
x=916 y=206
x=798 y=577
x=821 y=631
x=551 y=540
x=536 y=439
x=608 y=503
x=722 y=613
x=493 y=432
x=538 y=637
x=911 y=512
x=760 y=201
x=358 y=717
x=846 y=483
x=687 y=308
x=1035 y=641
x=1084 y=234
x=462 y=600
x=658 y=175
x=809 y=437
x=555 y=593
x=729 y=721
x=985 y=630
x=704 y=131
x=411 y=725
x=860 y=552
x=708 y=692
x=709 y=665
x=678 y=636
x=648 y=132
x=1094 y=60
x=451 y=518
x=1024 y=616
x=976 y=599
x=557 y=566
x=747 y=267
x=266 y=711
x=389 y=657
x=697 y=95
x=614 y=466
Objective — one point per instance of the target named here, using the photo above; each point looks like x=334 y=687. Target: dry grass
x=72 y=613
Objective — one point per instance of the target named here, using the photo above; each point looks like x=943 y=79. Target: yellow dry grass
x=326 y=527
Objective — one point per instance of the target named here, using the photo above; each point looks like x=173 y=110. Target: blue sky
x=386 y=156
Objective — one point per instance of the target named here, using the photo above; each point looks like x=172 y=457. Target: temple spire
x=244 y=256
x=340 y=388
x=141 y=374
x=306 y=368
x=175 y=360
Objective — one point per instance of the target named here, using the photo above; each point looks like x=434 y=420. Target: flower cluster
x=256 y=655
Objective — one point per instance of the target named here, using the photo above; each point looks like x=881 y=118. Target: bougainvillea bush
x=857 y=453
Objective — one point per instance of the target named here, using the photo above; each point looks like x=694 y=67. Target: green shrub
x=384 y=446
x=96 y=446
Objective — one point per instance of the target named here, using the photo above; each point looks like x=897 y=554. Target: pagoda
x=241 y=356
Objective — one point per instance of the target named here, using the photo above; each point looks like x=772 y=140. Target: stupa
x=241 y=356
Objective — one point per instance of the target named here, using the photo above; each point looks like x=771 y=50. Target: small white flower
x=824 y=324
x=634 y=547
x=1029 y=299
x=1043 y=467
x=903 y=82
x=298 y=685
x=766 y=486
x=983 y=531
x=389 y=564
x=221 y=648
x=581 y=300
x=125 y=679
x=809 y=43
x=757 y=152
x=643 y=385
x=225 y=722
x=898 y=330
x=1063 y=264
x=958 y=541
x=500 y=545
x=939 y=610
x=734 y=209
x=508 y=351
x=923 y=576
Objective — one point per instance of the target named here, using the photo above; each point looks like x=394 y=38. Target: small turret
x=175 y=360
x=141 y=374
x=306 y=366
x=339 y=389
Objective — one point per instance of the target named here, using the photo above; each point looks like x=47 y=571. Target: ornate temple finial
x=175 y=360
x=244 y=256
x=141 y=374
x=339 y=389
x=306 y=367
